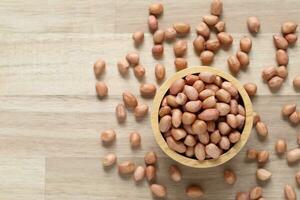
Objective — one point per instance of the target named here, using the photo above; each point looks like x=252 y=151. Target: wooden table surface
x=50 y=118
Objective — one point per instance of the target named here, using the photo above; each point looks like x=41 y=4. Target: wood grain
x=50 y=118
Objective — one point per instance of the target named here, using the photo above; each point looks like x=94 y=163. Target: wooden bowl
x=190 y=161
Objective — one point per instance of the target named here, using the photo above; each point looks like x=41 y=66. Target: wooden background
x=50 y=118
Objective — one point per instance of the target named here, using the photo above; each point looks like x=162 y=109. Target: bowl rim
x=190 y=161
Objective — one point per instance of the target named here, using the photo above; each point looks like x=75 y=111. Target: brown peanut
x=108 y=136
x=229 y=177
x=275 y=83
x=182 y=28
x=180 y=63
x=160 y=72
x=280 y=146
x=256 y=118
x=188 y=118
x=176 y=117
x=165 y=123
x=203 y=30
x=158 y=190
x=268 y=73
x=152 y=23
x=252 y=154
x=199 y=44
x=150 y=158
x=224 y=143
x=212 y=150
x=291 y=38
x=109 y=160
x=223 y=96
x=138 y=37
x=216 y=7
x=178 y=133
x=293 y=155
x=170 y=33
x=150 y=172
x=253 y=24
x=294 y=118
x=263 y=174
x=130 y=101
x=288 y=27
x=177 y=86
x=194 y=191
x=289 y=193
x=158 y=36
x=233 y=64
x=250 y=88
x=261 y=129
x=200 y=151
x=282 y=57
x=191 y=92
x=225 y=38
x=189 y=141
x=234 y=137
x=280 y=42
x=193 y=106
x=210 y=20
x=207 y=57
x=262 y=157
x=296 y=81
x=135 y=139
x=243 y=58
x=245 y=44
x=101 y=89
x=180 y=48
x=147 y=90
x=123 y=67
x=288 y=109
x=99 y=67
x=133 y=58
x=181 y=98
x=126 y=167
x=175 y=173
x=157 y=51
x=121 y=113
x=282 y=72
x=256 y=193
x=242 y=196
x=139 y=71
x=139 y=173
x=209 y=114
x=176 y=146
x=156 y=9
x=220 y=26
x=212 y=45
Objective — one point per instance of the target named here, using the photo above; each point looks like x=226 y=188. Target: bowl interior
x=190 y=161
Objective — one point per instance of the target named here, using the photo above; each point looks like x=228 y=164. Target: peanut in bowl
x=211 y=128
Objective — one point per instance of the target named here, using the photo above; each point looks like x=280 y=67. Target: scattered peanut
x=123 y=67
x=141 y=110
x=99 y=67
x=289 y=193
x=180 y=63
x=295 y=118
x=246 y=44
x=199 y=44
x=108 y=136
x=282 y=57
x=138 y=37
x=150 y=158
x=109 y=160
x=216 y=7
x=150 y=172
x=139 y=173
x=280 y=146
x=147 y=90
x=275 y=83
x=181 y=28
x=252 y=154
x=262 y=157
x=210 y=20
x=160 y=72
x=203 y=30
x=170 y=33
x=130 y=101
x=253 y=24
x=220 y=26
x=225 y=38
x=296 y=81
x=207 y=57
x=121 y=113
x=229 y=177
x=288 y=27
x=158 y=190
x=101 y=89
x=261 y=129
x=133 y=58
x=291 y=38
x=152 y=23
x=126 y=167
x=175 y=173
x=180 y=48
x=288 y=109
x=212 y=45
x=135 y=139
x=293 y=155
x=256 y=193
x=194 y=191
x=156 y=9
x=139 y=71
x=243 y=58
x=280 y=42
x=157 y=51
x=233 y=64
x=263 y=174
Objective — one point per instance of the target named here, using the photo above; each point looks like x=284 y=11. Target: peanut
x=212 y=45
x=170 y=34
x=130 y=101
x=252 y=154
x=275 y=83
x=108 y=136
x=268 y=73
x=210 y=20
x=256 y=193
x=176 y=146
x=206 y=93
x=223 y=96
x=138 y=37
x=139 y=71
x=171 y=101
x=152 y=23
x=178 y=133
x=191 y=92
x=293 y=155
x=199 y=44
x=223 y=108
x=207 y=57
x=180 y=63
x=209 y=114
x=188 y=118
x=289 y=193
x=109 y=160
x=224 y=143
x=232 y=120
x=165 y=110
x=225 y=38
x=135 y=139
x=160 y=72
x=141 y=110
x=133 y=58
x=216 y=7
x=234 y=107
x=215 y=137
x=150 y=158
x=294 y=118
x=121 y=113
x=229 y=88
x=191 y=79
x=288 y=109
x=147 y=90
x=262 y=157
x=224 y=128
x=242 y=196
x=209 y=102
x=280 y=146
x=282 y=57
x=256 y=118
x=220 y=26
x=296 y=81
x=261 y=129
x=189 y=141
x=189 y=152
x=234 y=137
x=204 y=138
x=291 y=38
x=288 y=27
x=165 y=123
x=181 y=28
x=157 y=51
x=233 y=64
x=203 y=30
x=101 y=89
x=229 y=177
x=297 y=177
x=250 y=88
x=207 y=77
x=194 y=191
x=200 y=151
x=139 y=173
x=253 y=24
x=193 y=106
x=175 y=173
x=180 y=48
x=99 y=67
x=176 y=117
x=181 y=98
x=199 y=127
x=282 y=72
x=150 y=172
x=212 y=150
x=245 y=44
x=156 y=9
x=243 y=58
x=158 y=36
x=280 y=42
x=123 y=67
x=126 y=167
x=263 y=174
x=158 y=190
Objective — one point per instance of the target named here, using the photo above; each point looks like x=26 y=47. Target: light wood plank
x=56 y=16
x=22 y=178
